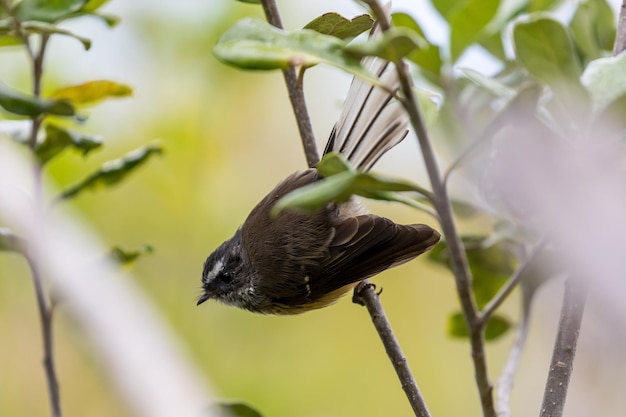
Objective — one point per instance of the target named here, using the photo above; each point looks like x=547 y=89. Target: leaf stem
x=296 y=94
x=443 y=206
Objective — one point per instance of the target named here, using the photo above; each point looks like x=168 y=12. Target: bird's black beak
x=203 y=298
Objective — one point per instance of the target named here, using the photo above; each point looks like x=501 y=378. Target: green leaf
x=467 y=20
x=24 y=105
x=334 y=24
x=333 y=163
x=339 y=188
x=492 y=43
x=428 y=57
x=593 y=28
x=92 y=92
x=492 y=85
x=113 y=172
x=393 y=45
x=93 y=5
x=605 y=79
x=126 y=257
x=58 y=139
x=490 y=261
x=49 y=11
x=544 y=47
x=496 y=326
x=541 y=5
x=234 y=410
x=255 y=44
x=50 y=29
x=10 y=242
x=250 y=1
x=444 y=7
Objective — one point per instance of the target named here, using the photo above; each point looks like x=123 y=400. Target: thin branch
x=44 y=306
x=45 y=316
x=459 y=263
x=620 y=38
x=504 y=292
x=296 y=94
x=562 y=362
x=365 y=294
x=507 y=377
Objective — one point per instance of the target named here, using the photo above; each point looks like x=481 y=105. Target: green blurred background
x=229 y=136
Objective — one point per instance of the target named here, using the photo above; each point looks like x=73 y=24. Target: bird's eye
x=227 y=276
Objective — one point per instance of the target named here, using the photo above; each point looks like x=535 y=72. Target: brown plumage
x=298 y=262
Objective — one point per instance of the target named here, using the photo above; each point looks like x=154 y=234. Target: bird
x=297 y=262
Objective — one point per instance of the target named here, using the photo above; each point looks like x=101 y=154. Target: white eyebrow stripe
x=214 y=272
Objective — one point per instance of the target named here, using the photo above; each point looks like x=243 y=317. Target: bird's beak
x=203 y=298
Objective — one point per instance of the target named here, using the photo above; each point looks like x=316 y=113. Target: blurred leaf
x=24 y=105
x=339 y=188
x=467 y=20
x=49 y=11
x=493 y=44
x=544 y=47
x=235 y=410
x=250 y=1
x=445 y=6
x=496 y=326
x=495 y=87
x=333 y=163
x=334 y=24
x=113 y=172
x=125 y=257
x=93 y=5
x=610 y=120
x=393 y=45
x=10 y=242
x=490 y=261
x=428 y=57
x=58 y=139
x=593 y=28
x=255 y=44
x=50 y=29
x=541 y=5
x=92 y=92
x=605 y=79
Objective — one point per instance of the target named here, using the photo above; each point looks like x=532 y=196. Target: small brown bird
x=297 y=262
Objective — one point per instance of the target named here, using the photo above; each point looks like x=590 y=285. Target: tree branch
x=507 y=377
x=562 y=362
x=296 y=94
x=442 y=204
x=620 y=38
x=365 y=294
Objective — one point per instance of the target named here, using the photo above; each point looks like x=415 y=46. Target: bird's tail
x=372 y=120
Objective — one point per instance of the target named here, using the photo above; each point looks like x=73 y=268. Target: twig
x=620 y=38
x=458 y=258
x=296 y=94
x=504 y=292
x=365 y=294
x=507 y=377
x=562 y=362
x=45 y=308
x=373 y=304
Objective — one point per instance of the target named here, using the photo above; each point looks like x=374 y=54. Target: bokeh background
x=229 y=136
